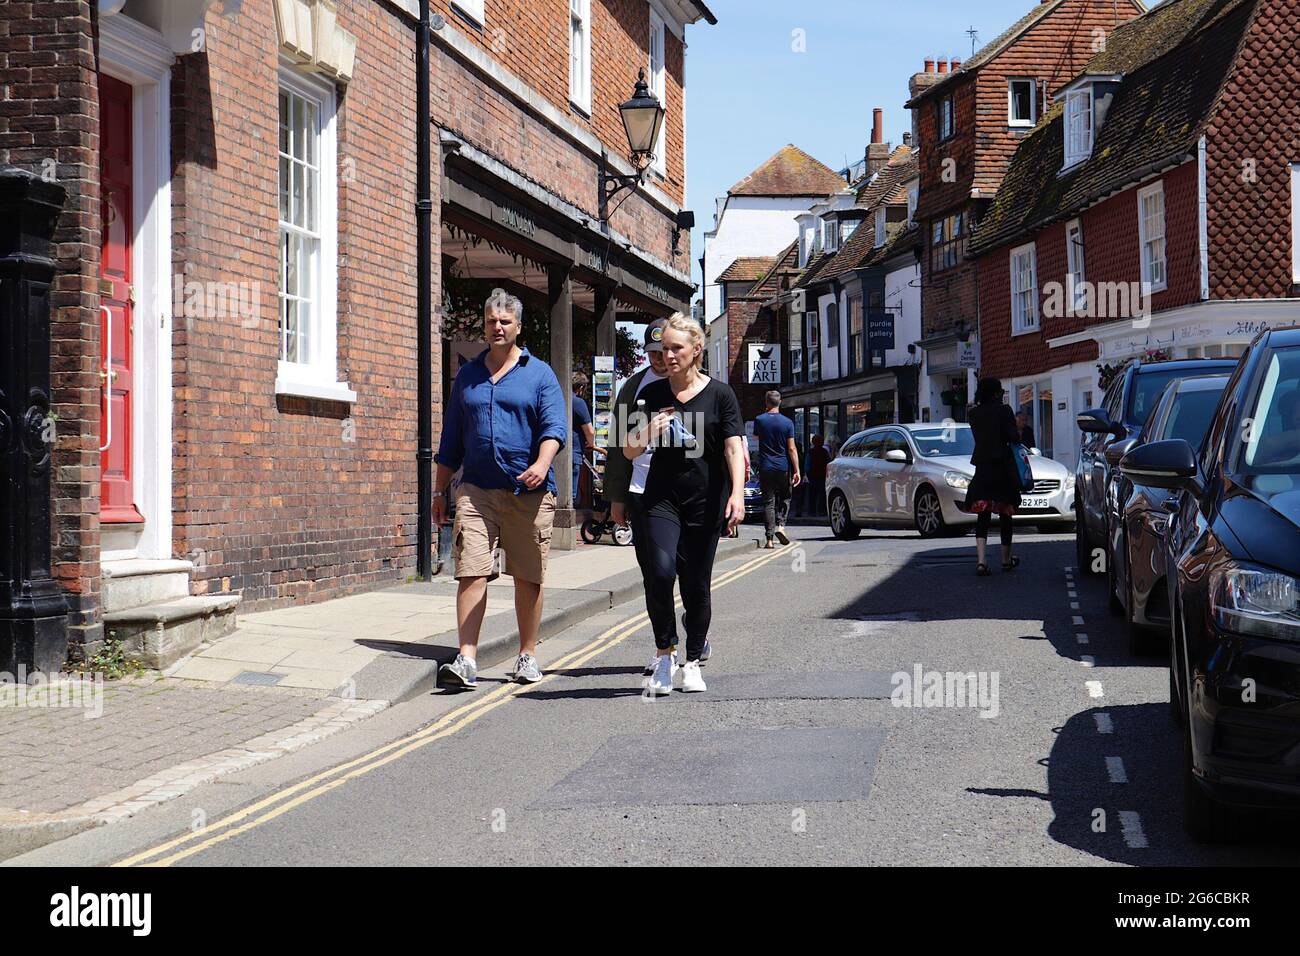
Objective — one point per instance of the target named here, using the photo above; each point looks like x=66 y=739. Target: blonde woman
x=694 y=491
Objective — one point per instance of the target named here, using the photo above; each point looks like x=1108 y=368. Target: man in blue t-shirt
x=778 y=467
x=583 y=432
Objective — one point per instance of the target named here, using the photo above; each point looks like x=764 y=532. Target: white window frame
x=580 y=54
x=1148 y=240
x=1021 y=323
x=472 y=9
x=1295 y=223
x=832 y=232
x=658 y=81
x=317 y=377
x=1078 y=126
x=1011 y=102
x=1076 y=260
x=881 y=221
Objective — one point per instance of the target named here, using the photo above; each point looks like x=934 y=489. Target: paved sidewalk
x=283 y=680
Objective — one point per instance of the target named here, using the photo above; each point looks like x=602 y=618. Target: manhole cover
x=258 y=678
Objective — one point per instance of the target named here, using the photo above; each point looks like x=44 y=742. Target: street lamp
x=643 y=118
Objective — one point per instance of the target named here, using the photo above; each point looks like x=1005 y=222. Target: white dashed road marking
x=1130 y=825
x=1094 y=689
x=1077 y=621
x=1088 y=660
x=1081 y=638
x=1115 y=770
x=1104 y=724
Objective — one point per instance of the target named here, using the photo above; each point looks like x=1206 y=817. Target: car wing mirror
x=1117 y=450
x=1163 y=464
x=898 y=455
x=1095 y=421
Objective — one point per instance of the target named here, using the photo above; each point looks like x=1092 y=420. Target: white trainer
x=692 y=679
x=649 y=669
x=661 y=681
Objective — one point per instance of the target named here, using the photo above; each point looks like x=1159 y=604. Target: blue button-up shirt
x=494 y=429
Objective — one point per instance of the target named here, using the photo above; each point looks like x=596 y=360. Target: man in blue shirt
x=503 y=426
x=778 y=467
x=584 y=432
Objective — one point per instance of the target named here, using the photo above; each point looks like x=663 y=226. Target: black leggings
x=985 y=519
x=671 y=546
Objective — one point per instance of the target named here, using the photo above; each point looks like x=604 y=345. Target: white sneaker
x=661 y=681
x=692 y=679
x=649 y=669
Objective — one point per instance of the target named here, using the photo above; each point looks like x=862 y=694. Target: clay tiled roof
x=786 y=267
x=1008 y=36
x=1175 y=60
x=748 y=269
x=889 y=187
x=791 y=172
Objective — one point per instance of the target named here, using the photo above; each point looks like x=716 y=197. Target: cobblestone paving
x=52 y=758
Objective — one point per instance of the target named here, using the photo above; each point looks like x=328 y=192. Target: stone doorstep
x=160 y=634
x=22 y=831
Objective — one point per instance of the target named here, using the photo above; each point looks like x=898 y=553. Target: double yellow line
x=282 y=801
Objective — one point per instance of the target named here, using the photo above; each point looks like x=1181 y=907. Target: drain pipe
x=424 y=293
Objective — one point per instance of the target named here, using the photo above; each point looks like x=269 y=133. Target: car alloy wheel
x=928 y=514
x=841 y=525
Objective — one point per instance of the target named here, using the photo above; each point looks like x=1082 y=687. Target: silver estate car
x=918 y=474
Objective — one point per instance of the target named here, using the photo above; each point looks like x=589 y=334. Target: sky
x=750 y=89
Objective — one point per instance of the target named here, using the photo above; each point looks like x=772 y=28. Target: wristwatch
x=439 y=494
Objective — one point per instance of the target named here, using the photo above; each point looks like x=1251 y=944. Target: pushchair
x=600 y=524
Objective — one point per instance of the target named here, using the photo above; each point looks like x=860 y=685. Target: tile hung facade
x=272 y=459
x=968 y=125
x=1193 y=156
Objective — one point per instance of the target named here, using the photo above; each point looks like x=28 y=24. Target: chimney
x=943 y=66
x=918 y=84
x=955 y=65
x=907 y=139
x=878 y=152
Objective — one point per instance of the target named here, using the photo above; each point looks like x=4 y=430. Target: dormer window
x=1078 y=126
x=832 y=235
x=880 y=227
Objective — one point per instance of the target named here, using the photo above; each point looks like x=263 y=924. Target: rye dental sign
x=764 y=364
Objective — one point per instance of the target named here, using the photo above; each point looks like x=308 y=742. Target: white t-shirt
x=641 y=464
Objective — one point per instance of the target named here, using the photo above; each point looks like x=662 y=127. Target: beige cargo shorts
x=497 y=531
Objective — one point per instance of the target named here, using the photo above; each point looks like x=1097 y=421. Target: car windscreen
x=942 y=442
x=1268 y=459
x=1189 y=418
x=1145 y=392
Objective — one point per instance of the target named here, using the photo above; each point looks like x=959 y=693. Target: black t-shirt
x=688 y=466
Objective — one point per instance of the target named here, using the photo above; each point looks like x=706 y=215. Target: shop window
x=833 y=325
x=308 y=231
x=814 y=357
x=796 y=349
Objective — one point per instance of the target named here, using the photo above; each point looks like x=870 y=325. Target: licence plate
x=1033 y=502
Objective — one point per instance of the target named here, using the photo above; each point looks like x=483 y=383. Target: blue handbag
x=1020 y=454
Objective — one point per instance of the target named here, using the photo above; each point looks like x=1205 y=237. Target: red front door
x=117 y=494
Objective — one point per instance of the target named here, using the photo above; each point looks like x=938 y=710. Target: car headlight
x=1069 y=481
x=1256 y=601
x=957 y=480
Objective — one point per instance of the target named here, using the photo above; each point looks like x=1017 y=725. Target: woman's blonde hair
x=680 y=322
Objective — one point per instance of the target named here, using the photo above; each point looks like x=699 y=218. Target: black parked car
x=1128 y=402
x=1233 y=550
x=1138 y=516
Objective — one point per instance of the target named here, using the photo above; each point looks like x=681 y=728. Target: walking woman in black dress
x=995 y=489
x=694 y=490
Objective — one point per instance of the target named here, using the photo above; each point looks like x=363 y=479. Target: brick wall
x=50 y=112
x=481 y=113
x=1111 y=254
x=530 y=38
x=747 y=322
x=284 y=498
x=1251 y=141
